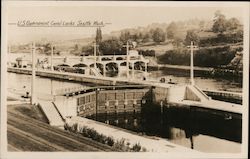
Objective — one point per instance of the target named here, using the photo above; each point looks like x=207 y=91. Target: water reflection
x=197 y=129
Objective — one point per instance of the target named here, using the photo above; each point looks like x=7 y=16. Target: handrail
x=58 y=112
x=202 y=92
x=101 y=87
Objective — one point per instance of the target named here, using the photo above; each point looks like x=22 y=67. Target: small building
x=21 y=62
x=133 y=53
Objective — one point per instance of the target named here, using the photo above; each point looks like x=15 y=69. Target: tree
x=135 y=37
x=125 y=36
x=111 y=46
x=232 y=24
x=76 y=47
x=171 y=29
x=140 y=35
x=98 y=37
x=220 y=23
x=87 y=50
x=146 y=37
x=239 y=35
x=158 y=35
x=202 y=25
x=47 y=48
x=177 y=42
x=191 y=36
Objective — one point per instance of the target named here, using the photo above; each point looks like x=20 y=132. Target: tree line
x=214 y=57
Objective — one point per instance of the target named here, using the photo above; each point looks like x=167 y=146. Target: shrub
x=222 y=39
x=147 y=52
x=94 y=135
x=72 y=128
x=120 y=144
x=110 y=141
x=136 y=147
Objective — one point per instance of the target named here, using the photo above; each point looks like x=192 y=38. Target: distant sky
x=120 y=17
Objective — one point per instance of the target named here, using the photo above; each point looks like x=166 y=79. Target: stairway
x=51 y=113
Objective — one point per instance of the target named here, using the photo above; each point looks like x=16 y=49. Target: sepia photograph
x=123 y=79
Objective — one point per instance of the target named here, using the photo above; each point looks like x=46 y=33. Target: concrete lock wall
x=160 y=94
x=176 y=93
x=86 y=104
x=110 y=101
x=66 y=105
x=190 y=95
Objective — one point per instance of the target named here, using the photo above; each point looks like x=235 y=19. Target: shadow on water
x=175 y=123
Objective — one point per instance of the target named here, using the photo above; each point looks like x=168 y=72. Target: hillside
x=217 y=41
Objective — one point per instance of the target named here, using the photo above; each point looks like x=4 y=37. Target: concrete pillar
x=146 y=69
x=133 y=70
x=33 y=83
x=104 y=70
x=119 y=69
x=65 y=59
x=192 y=65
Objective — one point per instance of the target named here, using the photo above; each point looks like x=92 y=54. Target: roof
x=21 y=59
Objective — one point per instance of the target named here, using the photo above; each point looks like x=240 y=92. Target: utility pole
x=127 y=57
x=95 y=55
x=127 y=47
x=52 y=69
x=51 y=60
x=33 y=83
x=192 y=64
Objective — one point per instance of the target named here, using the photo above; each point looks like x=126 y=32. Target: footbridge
x=98 y=65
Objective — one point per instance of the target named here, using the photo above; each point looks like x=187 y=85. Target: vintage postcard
x=123 y=79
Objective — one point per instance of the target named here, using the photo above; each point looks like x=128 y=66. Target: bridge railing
x=71 y=90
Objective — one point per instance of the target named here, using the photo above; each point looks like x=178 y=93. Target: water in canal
x=198 y=130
